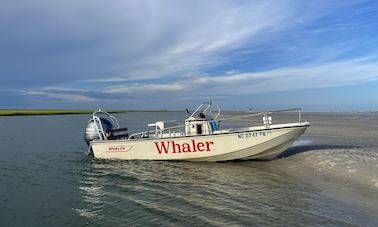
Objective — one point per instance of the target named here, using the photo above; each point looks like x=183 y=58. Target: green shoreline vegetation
x=28 y=112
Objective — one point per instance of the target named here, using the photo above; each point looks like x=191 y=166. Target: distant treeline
x=20 y=112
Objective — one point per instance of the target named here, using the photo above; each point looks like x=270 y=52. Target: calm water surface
x=46 y=180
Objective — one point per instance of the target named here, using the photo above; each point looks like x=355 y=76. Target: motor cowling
x=91 y=132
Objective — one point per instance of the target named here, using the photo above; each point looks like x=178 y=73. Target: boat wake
x=197 y=194
x=347 y=172
x=302 y=146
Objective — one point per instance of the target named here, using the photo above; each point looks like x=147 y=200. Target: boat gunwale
x=299 y=125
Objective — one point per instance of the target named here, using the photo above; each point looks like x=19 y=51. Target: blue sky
x=320 y=55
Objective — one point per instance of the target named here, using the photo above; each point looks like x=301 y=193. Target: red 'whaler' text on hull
x=173 y=147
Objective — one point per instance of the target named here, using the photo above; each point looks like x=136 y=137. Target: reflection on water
x=165 y=193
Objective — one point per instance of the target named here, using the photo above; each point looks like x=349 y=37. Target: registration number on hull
x=247 y=135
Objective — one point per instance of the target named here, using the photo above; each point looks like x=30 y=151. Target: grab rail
x=265 y=113
x=267 y=122
x=98 y=124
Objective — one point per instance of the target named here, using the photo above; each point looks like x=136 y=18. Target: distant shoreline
x=26 y=112
x=31 y=112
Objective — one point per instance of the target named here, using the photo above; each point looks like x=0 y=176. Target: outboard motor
x=103 y=126
x=93 y=133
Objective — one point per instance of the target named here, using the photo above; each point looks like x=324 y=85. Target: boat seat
x=213 y=125
x=119 y=133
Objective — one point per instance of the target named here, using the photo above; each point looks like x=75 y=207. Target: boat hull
x=261 y=144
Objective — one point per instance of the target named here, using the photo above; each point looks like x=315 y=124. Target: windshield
x=203 y=111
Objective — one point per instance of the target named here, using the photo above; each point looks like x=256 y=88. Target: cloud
x=48 y=43
x=87 y=52
x=145 y=88
x=341 y=73
x=72 y=98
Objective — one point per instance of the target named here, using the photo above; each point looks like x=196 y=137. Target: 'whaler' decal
x=113 y=149
x=172 y=147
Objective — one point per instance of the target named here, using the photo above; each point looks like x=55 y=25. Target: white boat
x=199 y=139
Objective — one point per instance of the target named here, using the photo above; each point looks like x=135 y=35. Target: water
x=328 y=178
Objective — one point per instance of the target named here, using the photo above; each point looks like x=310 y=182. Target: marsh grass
x=24 y=112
